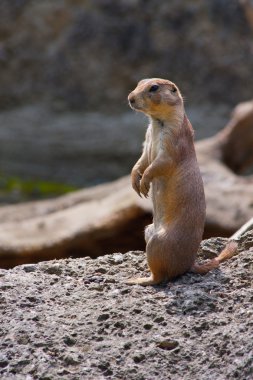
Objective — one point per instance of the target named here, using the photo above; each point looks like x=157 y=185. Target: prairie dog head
x=158 y=98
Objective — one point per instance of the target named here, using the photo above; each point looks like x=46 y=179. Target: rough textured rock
x=77 y=319
x=88 y=54
x=112 y=217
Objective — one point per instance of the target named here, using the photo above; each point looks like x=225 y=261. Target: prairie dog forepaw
x=136 y=178
x=145 y=185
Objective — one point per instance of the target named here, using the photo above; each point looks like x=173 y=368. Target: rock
x=103 y=317
x=52 y=268
x=138 y=357
x=159 y=319
x=3 y=361
x=148 y=326
x=69 y=341
x=71 y=360
x=29 y=268
x=151 y=333
x=167 y=344
x=117 y=258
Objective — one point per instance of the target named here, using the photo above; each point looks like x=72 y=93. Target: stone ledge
x=77 y=319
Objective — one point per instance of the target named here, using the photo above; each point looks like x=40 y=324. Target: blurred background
x=67 y=66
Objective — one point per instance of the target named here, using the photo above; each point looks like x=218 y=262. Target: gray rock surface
x=77 y=319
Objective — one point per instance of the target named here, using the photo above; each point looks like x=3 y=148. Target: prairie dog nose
x=131 y=99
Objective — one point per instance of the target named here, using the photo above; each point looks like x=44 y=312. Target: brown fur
x=169 y=163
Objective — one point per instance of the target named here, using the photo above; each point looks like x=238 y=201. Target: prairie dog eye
x=173 y=89
x=154 y=88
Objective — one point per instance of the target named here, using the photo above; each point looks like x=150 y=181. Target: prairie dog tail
x=228 y=252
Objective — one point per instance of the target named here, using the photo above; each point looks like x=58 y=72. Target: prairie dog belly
x=155 y=143
x=179 y=196
x=164 y=198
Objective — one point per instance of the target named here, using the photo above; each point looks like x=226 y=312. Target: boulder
x=77 y=318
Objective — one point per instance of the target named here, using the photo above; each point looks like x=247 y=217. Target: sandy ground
x=77 y=319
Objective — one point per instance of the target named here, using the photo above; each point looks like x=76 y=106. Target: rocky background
x=80 y=54
x=78 y=319
x=66 y=68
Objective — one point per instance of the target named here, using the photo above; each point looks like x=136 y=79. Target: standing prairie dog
x=169 y=163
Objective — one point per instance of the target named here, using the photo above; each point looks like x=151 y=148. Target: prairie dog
x=169 y=163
